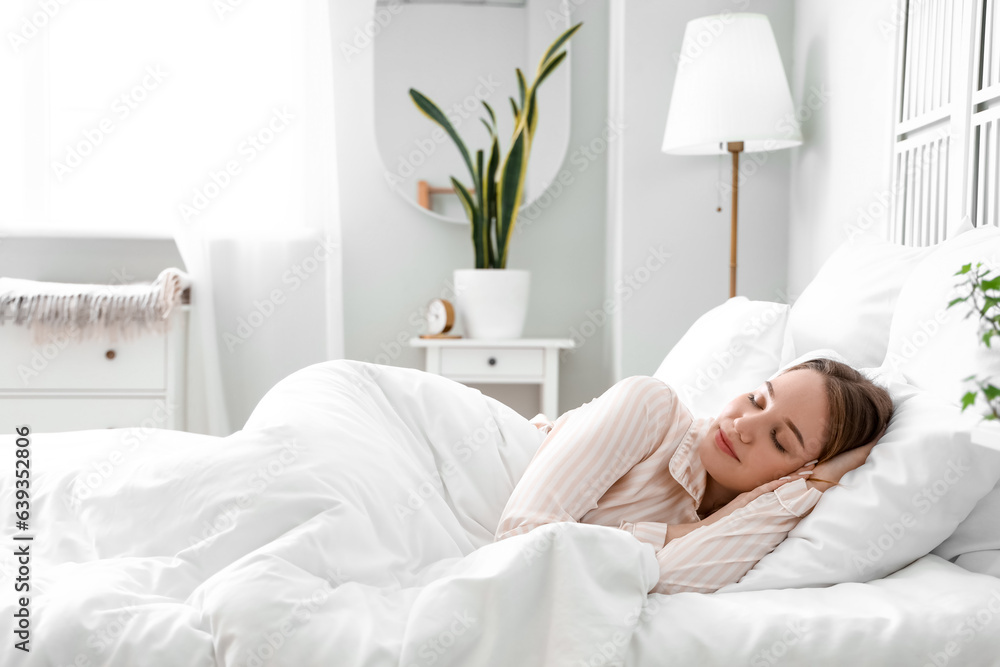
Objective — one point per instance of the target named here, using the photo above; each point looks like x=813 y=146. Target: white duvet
x=351 y=523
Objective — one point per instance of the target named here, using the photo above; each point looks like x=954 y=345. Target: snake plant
x=492 y=203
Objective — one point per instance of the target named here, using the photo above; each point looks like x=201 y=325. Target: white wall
x=840 y=176
x=397 y=258
x=670 y=201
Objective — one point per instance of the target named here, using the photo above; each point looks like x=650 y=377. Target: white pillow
x=934 y=346
x=919 y=483
x=731 y=348
x=979 y=533
x=848 y=305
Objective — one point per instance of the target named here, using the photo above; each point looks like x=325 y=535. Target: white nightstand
x=76 y=384
x=510 y=361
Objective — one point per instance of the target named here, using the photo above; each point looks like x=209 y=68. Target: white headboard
x=946 y=137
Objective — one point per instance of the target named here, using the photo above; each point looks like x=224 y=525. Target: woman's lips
x=723 y=443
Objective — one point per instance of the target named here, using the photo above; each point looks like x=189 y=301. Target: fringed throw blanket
x=89 y=311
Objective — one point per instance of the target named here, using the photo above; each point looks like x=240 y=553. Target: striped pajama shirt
x=628 y=459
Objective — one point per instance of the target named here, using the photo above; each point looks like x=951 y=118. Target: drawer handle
x=492 y=361
x=110 y=354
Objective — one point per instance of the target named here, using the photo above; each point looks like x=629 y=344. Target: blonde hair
x=860 y=410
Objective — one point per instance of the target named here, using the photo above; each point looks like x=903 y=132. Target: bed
x=351 y=520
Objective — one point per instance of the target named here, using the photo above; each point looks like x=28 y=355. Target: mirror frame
x=567 y=63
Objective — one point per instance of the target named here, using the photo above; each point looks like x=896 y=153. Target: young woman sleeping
x=712 y=496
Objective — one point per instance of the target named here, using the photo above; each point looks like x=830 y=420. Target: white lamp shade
x=730 y=86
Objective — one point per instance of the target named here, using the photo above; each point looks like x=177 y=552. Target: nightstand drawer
x=492 y=362
x=50 y=415
x=69 y=364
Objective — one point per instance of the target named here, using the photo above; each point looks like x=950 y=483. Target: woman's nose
x=742 y=427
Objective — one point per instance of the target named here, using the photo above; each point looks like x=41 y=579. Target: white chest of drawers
x=69 y=384
x=510 y=361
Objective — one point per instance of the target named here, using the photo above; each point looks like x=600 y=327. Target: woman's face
x=768 y=432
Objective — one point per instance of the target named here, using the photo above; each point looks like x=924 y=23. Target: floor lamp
x=730 y=96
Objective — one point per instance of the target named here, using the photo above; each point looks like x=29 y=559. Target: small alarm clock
x=440 y=318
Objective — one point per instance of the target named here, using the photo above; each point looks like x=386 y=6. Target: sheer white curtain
x=210 y=121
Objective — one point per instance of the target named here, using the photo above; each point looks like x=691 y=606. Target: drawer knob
x=110 y=354
x=492 y=361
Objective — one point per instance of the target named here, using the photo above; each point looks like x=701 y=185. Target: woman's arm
x=582 y=457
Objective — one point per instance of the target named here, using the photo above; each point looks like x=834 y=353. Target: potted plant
x=492 y=299
x=982 y=293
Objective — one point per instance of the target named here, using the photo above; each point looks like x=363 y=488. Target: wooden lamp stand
x=734 y=147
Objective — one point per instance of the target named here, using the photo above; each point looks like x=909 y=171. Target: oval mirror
x=460 y=53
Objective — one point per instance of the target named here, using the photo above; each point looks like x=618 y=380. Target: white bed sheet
x=351 y=521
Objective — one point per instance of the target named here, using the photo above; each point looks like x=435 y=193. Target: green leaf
x=958 y=300
x=491 y=194
x=484 y=228
x=489 y=129
x=987 y=336
x=489 y=110
x=992 y=392
x=521 y=86
x=532 y=107
x=473 y=214
x=509 y=194
x=431 y=110
x=970 y=378
x=556 y=45
x=991 y=285
x=968 y=400
x=517 y=112
x=965 y=269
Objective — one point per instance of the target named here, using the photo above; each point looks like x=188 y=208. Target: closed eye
x=774 y=434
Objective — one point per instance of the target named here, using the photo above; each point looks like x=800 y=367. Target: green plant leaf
x=490 y=188
x=958 y=300
x=431 y=110
x=532 y=107
x=521 y=86
x=489 y=128
x=473 y=214
x=987 y=336
x=965 y=269
x=515 y=110
x=509 y=194
x=556 y=45
x=968 y=400
x=489 y=110
x=992 y=392
x=991 y=285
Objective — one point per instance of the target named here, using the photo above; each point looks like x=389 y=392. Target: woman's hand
x=679 y=530
x=748 y=497
x=828 y=473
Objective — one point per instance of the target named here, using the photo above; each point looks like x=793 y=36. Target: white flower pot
x=492 y=303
